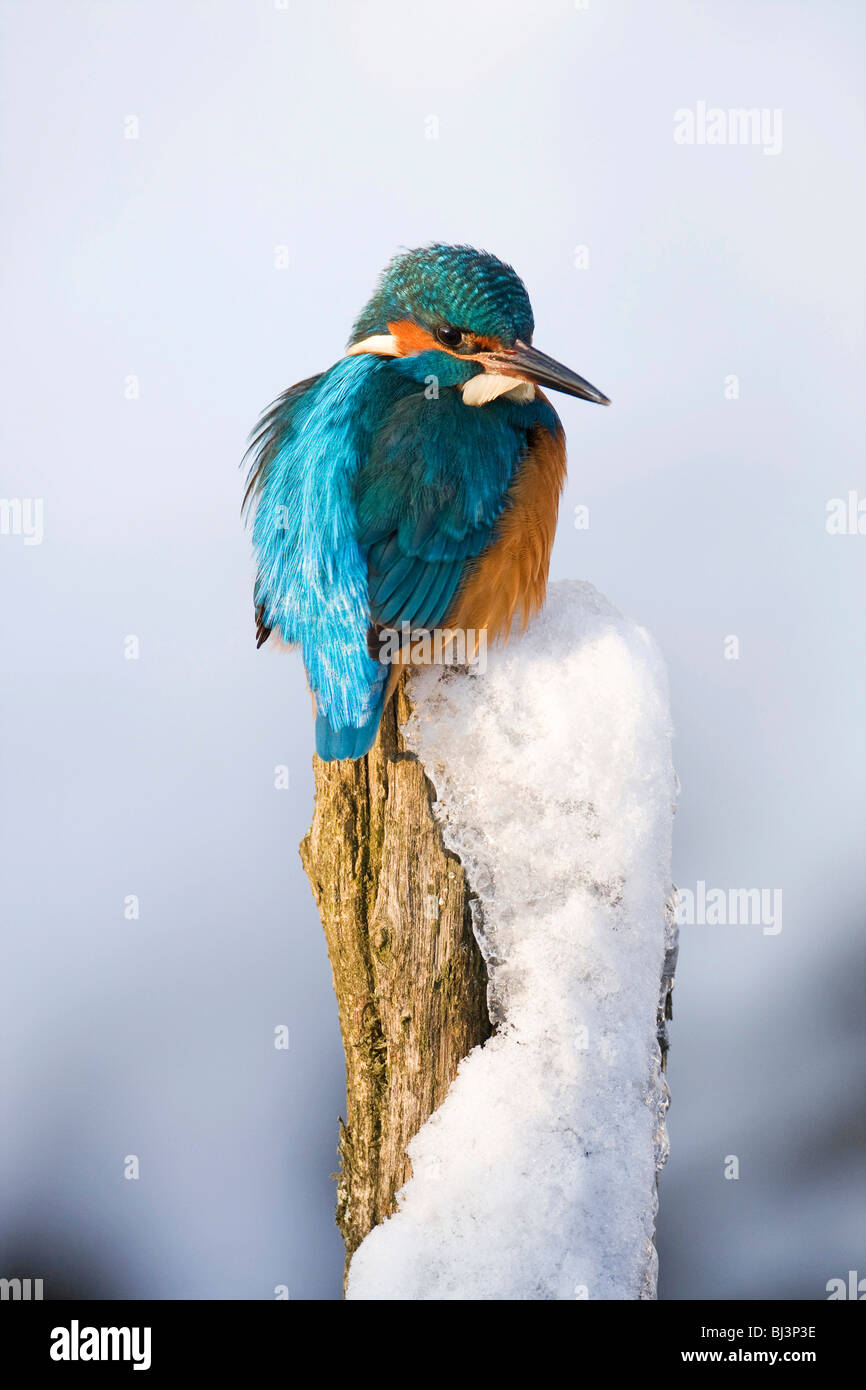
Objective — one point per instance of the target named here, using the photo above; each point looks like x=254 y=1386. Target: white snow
x=536 y=1177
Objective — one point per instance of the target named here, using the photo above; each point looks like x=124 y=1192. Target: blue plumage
x=465 y=287
x=433 y=486
x=312 y=579
x=377 y=487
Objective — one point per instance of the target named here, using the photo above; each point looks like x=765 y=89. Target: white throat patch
x=478 y=390
x=486 y=386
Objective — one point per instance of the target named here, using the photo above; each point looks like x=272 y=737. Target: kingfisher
x=412 y=486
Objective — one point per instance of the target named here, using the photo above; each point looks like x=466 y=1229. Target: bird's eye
x=451 y=337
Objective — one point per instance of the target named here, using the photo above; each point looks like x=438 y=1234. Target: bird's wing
x=311 y=586
x=270 y=433
x=428 y=498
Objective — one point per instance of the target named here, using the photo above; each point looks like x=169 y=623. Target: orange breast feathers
x=508 y=582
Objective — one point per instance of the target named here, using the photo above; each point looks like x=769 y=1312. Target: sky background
x=283 y=153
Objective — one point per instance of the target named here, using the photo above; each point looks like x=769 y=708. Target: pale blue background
x=305 y=126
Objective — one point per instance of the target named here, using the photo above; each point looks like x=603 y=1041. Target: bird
x=412 y=486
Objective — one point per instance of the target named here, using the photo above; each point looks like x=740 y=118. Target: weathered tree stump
x=409 y=977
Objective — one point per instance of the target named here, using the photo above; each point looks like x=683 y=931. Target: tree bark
x=410 y=980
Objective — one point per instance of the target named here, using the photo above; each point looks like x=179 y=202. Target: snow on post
x=536 y=1178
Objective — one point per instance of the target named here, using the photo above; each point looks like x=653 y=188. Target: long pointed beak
x=530 y=364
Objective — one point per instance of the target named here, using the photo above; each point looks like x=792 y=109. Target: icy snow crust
x=536 y=1177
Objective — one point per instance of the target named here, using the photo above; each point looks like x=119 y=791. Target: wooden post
x=409 y=977
x=412 y=984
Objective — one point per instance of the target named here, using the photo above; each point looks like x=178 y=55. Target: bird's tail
x=346 y=741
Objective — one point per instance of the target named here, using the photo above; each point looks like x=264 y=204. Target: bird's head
x=472 y=307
